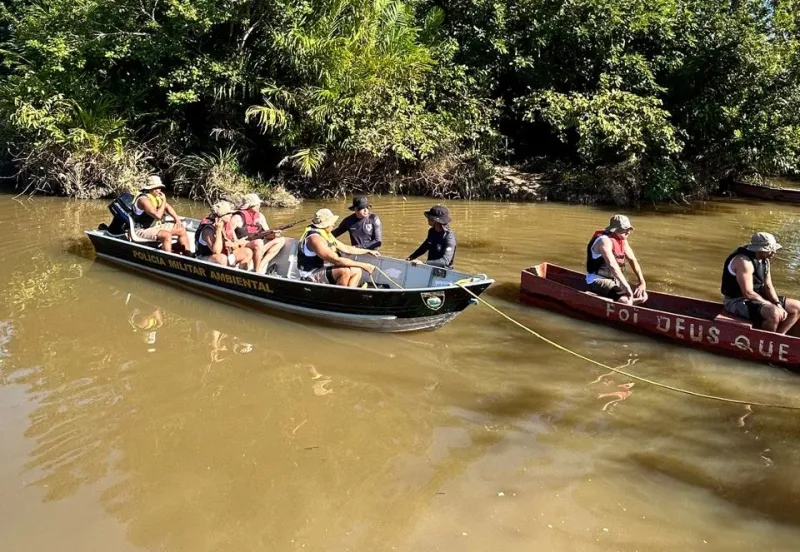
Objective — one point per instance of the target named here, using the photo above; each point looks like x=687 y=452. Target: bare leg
x=793 y=314
x=355 y=277
x=272 y=248
x=183 y=240
x=243 y=257
x=165 y=237
x=257 y=247
x=772 y=317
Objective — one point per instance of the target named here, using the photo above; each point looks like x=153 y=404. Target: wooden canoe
x=767 y=193
x=684 y=320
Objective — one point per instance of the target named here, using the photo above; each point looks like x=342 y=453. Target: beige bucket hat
x=222 y=208
x=619 y=223
x=324 y=218
x=153 y=182
x=250 y=200
x=763 y=242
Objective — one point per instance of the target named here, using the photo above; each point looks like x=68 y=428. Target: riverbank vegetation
x=623 y=101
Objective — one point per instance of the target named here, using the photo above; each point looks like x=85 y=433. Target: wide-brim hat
x=222 y=208
x=324 y=218
x=153 y=183
x=360 y=202
x=250 y=200
x=619 y=223
x=763 y=242
x=439 y=213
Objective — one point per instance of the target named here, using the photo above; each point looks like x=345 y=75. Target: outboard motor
x=121 y=208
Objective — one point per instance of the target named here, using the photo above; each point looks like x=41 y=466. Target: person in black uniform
x=440 y=244
x=363 y=226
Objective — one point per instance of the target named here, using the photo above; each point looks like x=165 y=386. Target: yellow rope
x=623 y=372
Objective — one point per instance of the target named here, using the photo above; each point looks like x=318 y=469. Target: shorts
x=152 y=232
x=607 y=287
x=322 y=275
x=749 y=310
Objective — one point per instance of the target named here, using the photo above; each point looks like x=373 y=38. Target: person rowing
x=149 y=209
x=318 y=257
x=748 y=290
x=607 y=255
x=440 y=243
x=363 y=226
x=249 y=221
x=215 y=240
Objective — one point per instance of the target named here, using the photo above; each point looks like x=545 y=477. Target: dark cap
x=360 y=202
x=439 y=213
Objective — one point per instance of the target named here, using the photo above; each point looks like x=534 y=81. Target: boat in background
x=683 y=320
x=767 y=193
x=412 y=297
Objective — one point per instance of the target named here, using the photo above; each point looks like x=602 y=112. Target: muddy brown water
x=135 y=415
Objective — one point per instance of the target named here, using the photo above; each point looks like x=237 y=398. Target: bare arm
x=214 y=237
x=637 y=269
x=607 y=252
x=147 y=206
x=769 y=289
x=319 y=246
x=171 y=212
x=744 y=277
x=352 y=250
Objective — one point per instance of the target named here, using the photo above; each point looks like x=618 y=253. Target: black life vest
x=730 y=287
x=598 y=265
x=201 y=249
x=306 y=263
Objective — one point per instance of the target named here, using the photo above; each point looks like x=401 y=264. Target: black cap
x=360 y=202
x=440 y=214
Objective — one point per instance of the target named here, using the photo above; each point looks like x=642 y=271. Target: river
x=139 y=416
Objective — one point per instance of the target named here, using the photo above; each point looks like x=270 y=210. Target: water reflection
x=210 y=427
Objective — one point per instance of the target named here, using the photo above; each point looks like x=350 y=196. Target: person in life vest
x=748 y=290
x=363 y=226
x=318 y=257
x=216 y=242
x=608 y=254
x=440 y=243
x=249 y=220
x=149 y=209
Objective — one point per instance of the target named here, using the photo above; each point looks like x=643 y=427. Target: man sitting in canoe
x=607 y=255
x=748 y=290
x=216 y=242
x=249 y=221
x=318 y=257
x=149 y=209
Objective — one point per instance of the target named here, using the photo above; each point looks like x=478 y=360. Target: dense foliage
x=629 y=100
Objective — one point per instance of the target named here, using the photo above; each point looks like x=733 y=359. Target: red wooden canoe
x=684 y=320
x=767 y=193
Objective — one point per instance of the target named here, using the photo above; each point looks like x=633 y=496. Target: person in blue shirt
x=363 y=226
x=440 y=244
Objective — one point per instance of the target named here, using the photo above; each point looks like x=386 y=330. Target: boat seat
x=131 y=235
x=728 y=318
x=285 y=262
